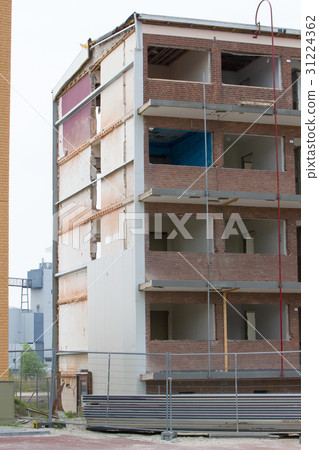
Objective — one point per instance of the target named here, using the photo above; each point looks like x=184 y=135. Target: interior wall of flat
x=73 y=326
x=267 y=321
x=195 y=227
x=129 y=141
x=112 y=150
x=259 y=72
x=120 y=93
x=263 y=149
x=113 y=188
x=265 y=237
x=110 y=233
x=72 y=286
x=235 y=243
x=74 y=174
x=188 y=67
x=72 y=362
x=188 y=321
x=188 y=150
x=74 y=247
x=76 y=130
x=296 y=64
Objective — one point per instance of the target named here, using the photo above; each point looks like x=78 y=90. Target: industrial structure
x=171 y=185
x=32 y=322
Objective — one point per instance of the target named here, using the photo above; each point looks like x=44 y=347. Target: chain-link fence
x=32 y=391
x=31 y=374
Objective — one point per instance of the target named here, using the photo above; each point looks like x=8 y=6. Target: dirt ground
x=77 y=437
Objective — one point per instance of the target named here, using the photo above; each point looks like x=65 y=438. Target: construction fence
x=189 y=392
x=165 y=392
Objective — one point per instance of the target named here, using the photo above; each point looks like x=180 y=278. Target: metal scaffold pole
x=277 y=169
x=207 y=229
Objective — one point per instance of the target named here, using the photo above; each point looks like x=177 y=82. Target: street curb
x=24 y=433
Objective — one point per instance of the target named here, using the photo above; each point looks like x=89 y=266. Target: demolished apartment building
x=130 y=116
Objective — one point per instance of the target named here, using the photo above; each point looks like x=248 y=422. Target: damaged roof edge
x=76 y=65
x=121 y=27
x=84 y=55
x=216 y=24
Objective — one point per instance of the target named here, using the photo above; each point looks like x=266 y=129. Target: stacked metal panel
x=265 y=412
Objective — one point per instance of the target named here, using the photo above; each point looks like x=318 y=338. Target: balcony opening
x=264 y=237
x=264 y=318
x=296 y=86
x=166 y=237
x=179 y=147
x=250 y=70
x=297 y=149
x=252 y=152
x=181 y=322
x=169 y=63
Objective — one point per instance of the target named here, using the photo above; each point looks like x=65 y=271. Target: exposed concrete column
x=139 y=245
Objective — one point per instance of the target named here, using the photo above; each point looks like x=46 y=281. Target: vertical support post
x=168 y=435
x=108 y=387
x=52 y=384
x=170 y=393
x=139 y=240
x=236 y=393
x=37 y=390
x=225 y=332
x=277 y=170
x=48 y=391
x=207 y=227
x=167 y=397
x=55 y=235
x=21 y=367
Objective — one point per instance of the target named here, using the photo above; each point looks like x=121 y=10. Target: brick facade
x=5 y=52
x=224 y=267
x=217 y=346
x=216 y=92
x=220 y=178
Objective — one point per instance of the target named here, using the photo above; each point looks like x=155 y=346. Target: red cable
x=277 y=169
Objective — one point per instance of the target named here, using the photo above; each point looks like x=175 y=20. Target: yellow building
x=5 y=53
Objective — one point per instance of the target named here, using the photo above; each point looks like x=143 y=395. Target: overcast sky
x=46 y=37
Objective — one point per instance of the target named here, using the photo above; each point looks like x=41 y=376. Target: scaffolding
x=25 y=284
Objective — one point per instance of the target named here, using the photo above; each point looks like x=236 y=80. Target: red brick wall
x=182 y=177
x=245 y=362
x=215 y=91
x=270 y=385
x=162 y=265
x=240 y=267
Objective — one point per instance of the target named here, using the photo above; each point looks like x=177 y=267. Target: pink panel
x=76 y=130
x=77 y=93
